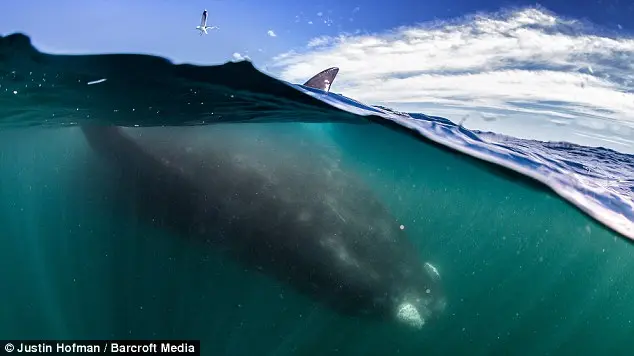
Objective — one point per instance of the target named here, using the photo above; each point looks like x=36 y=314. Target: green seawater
x=525 y=273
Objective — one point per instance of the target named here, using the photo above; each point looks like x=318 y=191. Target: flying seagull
x=203 y=24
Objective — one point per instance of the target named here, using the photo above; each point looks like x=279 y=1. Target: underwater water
x=528 y=268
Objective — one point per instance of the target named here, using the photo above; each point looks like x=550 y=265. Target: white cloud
x=271 y=33
x=318 y=41
x=523 y=62
x=239 y=57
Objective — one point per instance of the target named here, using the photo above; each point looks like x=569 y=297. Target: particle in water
x=402 y=227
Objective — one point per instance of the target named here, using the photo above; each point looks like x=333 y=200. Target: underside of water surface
x=527 y=269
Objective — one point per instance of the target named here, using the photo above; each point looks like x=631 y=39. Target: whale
x=281 y=204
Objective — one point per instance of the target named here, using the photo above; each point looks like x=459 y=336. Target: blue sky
x=560 y=70
x=166 y=26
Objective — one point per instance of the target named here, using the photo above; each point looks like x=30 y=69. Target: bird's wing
x=203 y=19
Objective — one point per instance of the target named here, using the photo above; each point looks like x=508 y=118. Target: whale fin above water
x=323 y=80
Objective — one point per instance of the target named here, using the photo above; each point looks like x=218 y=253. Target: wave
x=39 y=89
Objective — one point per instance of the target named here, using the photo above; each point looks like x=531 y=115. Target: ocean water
x=532 y=239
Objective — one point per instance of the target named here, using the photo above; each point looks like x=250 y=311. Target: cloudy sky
x=557 y=71
x=526 y=72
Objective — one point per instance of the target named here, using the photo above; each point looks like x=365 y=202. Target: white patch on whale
x=433 y=271
x=408 y=314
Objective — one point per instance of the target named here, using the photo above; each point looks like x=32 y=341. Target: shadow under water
x=524 y=273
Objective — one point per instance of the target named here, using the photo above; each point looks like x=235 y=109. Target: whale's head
x=422 y=299
x=375 y=269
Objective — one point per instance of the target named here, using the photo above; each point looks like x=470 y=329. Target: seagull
x=203 y=24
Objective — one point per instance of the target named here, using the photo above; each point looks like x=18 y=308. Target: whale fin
x=323 y=80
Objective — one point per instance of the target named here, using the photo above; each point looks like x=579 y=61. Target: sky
x=556 y=70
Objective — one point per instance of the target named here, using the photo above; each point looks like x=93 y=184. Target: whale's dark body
x=277 y=204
